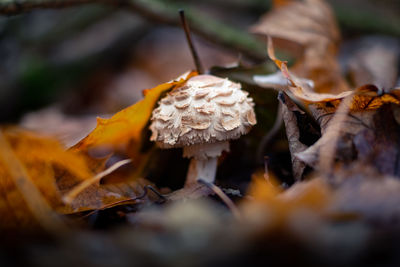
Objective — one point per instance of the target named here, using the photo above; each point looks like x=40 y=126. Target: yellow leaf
x=128 y=124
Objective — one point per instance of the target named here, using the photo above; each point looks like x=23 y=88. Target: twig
x=193 y=51
x=266 y=168
x=228 y=202
x=68 y=198
x=335 y=125
x=146 y=189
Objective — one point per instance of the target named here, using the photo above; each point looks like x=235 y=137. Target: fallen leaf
x=128 y=124
x=363 y=191
x=368 y=97
x=104 y=196
x=373 y=60
x=338 y=134
x=269 y=208
x=307 y=29
x=294 y=118
x=28 y=164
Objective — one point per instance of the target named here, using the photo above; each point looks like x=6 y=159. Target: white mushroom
x=202 y=116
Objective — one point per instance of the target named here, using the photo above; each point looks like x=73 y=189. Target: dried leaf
x=290 y=112
x=102 y=196
x=128 y=124
x=363 y=191
x=373 y=60
x=270 y=207
x=28 y=183
x=309 y=30
x=118 y=185
x=368 y=97
x=369 y=136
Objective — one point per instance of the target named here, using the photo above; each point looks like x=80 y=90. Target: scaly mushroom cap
x=206 y=109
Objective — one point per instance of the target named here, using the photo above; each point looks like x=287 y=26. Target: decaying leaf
x=292 y=116
x=28 y=186
x=270 y=207
x=128 y=124
x=361 y=190
x=36 y=171
x=373 y=60
x=361 y=105
x=102 y=196
x=309 y=30
x=368 y=97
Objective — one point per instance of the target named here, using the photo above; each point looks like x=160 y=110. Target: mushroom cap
x=206 y=109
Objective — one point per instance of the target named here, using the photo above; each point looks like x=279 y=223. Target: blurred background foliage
x=96 y=58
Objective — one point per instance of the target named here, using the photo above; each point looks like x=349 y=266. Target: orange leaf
x=367 y=97
x=270 y=207
x=129 y=123
x=28 y=190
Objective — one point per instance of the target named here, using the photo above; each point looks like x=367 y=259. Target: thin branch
x=15 y=7
x=228 y=202
x=335 y=126
x=239 y=41
x=193 y=51
x=85 y=184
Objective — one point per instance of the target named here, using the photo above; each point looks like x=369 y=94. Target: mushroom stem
x=204 y=161
x=201 y=168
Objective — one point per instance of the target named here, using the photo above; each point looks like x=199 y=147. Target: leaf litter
x=348 y=139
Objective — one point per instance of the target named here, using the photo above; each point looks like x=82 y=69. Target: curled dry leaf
x=360 y=108
x=309 y=30
x=290 y=114
x=368 y=97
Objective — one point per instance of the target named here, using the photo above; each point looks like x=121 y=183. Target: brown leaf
x=368 y=97
x=290 y=112
x=373 y=60
x=368 y=136
x=102 y=196
x=354 y=113
x=309 y=30
x=114 y=186
x=380 y=146
x=361 y=190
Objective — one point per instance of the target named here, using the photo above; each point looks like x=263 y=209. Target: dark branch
x=193 y=50
x=157 y=11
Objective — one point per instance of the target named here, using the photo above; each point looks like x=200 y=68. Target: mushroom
x=202 y=116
